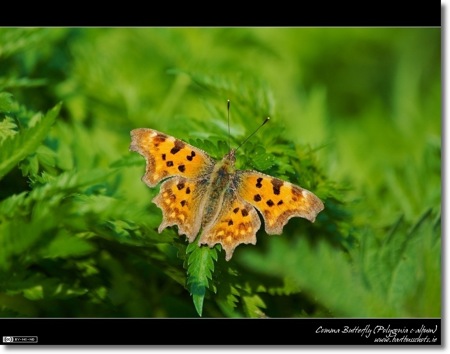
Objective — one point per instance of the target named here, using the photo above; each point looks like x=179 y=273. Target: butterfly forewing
x=277 y=200
x=167 y=156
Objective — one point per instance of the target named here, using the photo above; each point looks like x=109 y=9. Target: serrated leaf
x=200 y=268
x=14 y=149
x=7 y=128
x=227 y=298
x=253 y=305
x=259 y=159
x=206 y=145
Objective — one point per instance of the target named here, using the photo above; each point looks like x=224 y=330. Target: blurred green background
x=355 y=118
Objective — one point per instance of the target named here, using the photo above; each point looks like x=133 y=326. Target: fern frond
x=15 y=148
x=57 y=187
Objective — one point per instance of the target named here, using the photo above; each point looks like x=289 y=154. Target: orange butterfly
x=201 y=193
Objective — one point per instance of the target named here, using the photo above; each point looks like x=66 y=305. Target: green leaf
x=227 y=298
x=6 y=102
x=13 y=40
x=325 y=270
x=44 y=158
x=14 y=149
x=406 y=265
x=253 y=305
x=65 y=245
x=34 y=293
x=19 y=237
x=200 y=269
x=258 y=158
x=51 y=288
x=7 y=128
x=24 y=82
x=51 y=192
x=288 y=287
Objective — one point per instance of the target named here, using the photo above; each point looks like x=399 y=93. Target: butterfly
x=199 y=193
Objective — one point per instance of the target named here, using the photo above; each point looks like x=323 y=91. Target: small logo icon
x=20 y=339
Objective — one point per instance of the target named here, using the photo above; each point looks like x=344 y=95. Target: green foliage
x=17 y=147
x=387 y=277
x=200 y=267
x=78 y=230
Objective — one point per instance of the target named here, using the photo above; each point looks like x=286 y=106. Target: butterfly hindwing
x=236 y=223
x=180 y=200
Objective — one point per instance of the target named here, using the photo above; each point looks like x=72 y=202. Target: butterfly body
x=220 y=183
x=201 y=194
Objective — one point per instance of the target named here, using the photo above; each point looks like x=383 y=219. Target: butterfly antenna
x=265 y=121
x=229 y=132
